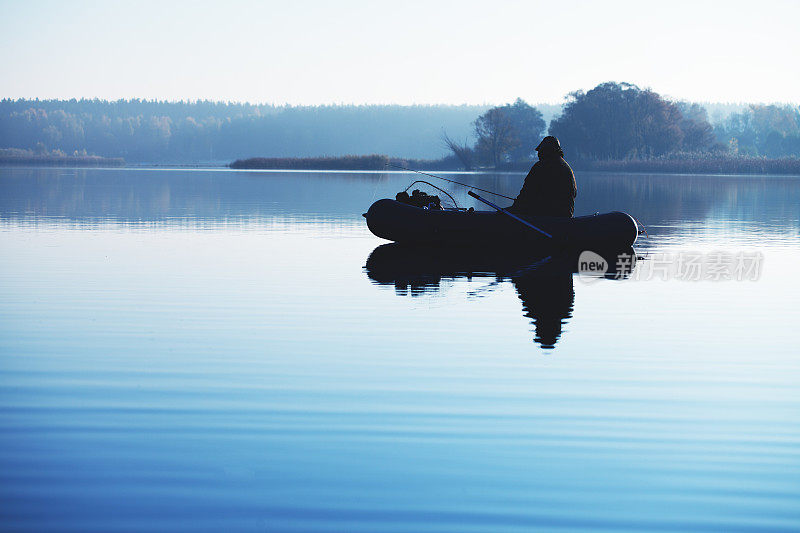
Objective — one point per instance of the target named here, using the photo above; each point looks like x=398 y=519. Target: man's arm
x=527 y=194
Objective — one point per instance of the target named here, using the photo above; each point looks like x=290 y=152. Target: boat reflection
x=545 y=285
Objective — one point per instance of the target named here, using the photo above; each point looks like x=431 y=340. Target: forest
x=191 y=132
x=611 y=122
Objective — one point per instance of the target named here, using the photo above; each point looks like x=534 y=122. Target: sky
x=372 y=52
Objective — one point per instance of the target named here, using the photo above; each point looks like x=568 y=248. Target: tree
x=698 y=134
x=618 y=121
x=464 y=153
x=768 y=130
x=739 y=133
x=528 y=125
x=508 y=132
x=496 y=136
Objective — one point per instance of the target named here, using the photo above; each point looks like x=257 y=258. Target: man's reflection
x=548 y=301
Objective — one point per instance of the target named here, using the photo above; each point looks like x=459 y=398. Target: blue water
x=204 y=350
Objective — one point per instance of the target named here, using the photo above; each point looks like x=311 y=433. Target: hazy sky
x=313 y=52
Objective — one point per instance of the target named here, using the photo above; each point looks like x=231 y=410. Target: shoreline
x=381 y=164
x=712 y=165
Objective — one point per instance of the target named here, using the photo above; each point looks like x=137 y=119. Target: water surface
x=204 y=350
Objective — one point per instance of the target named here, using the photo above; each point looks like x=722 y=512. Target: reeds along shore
x=673 y=164
x=700 y=164
x=348 y=162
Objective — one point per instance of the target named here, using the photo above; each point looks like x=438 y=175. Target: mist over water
x=206 y=350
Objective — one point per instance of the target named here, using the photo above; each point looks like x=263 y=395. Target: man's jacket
x=549 y=190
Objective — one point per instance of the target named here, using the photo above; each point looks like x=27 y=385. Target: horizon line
x=351 y=104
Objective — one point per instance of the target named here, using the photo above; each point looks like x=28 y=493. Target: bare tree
x=463 y=152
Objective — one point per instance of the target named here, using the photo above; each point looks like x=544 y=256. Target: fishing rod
x=512 y=215
x=451 y=181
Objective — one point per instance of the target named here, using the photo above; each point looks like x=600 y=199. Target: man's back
x=549 y=189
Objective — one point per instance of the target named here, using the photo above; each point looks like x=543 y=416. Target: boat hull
x=403 y=223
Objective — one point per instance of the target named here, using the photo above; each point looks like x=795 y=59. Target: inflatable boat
x=403 y=223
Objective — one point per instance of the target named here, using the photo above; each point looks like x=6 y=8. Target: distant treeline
x=613 y=121
x=143 y=131
x=15 y=156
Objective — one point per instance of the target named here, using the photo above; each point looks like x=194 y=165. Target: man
x=549 y=187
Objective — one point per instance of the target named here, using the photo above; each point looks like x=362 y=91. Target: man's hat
x=549 y=144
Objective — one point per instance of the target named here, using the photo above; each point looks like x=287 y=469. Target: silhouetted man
x=549 y=187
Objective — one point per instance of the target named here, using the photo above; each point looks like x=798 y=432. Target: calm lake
x=205 y=350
